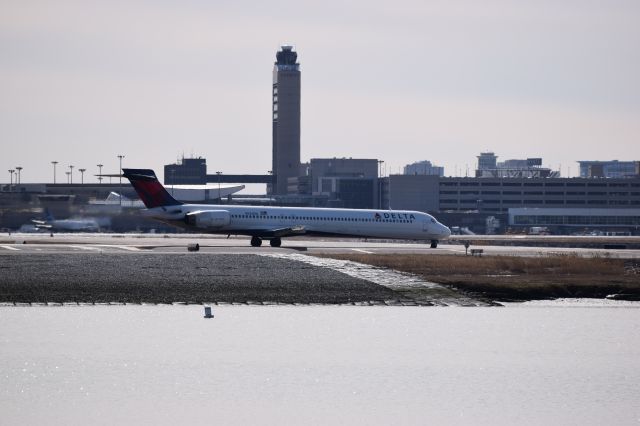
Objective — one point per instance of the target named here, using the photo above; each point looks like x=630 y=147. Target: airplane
x=70 y=225
x=274 y=223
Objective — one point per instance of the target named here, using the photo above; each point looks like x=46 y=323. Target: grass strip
x=515 y=278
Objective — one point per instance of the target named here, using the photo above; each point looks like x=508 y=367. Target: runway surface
x=177 y=243
x=112 y=268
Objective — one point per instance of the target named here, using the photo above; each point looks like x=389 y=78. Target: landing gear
x=434 y=243
x=256 y=241
x=275 y=242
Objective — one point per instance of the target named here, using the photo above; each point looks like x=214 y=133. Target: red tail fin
x=149 y=189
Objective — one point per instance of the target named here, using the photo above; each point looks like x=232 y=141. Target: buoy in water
x=207 y=312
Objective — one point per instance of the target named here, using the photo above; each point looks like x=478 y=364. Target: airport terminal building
x=566 y=220
x=562 y=204
x=498 y=195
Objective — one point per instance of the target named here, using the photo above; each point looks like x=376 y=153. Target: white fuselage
x=263 y=220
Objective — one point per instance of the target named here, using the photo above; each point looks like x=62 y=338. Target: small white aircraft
x=273 y=223
x=68 y=225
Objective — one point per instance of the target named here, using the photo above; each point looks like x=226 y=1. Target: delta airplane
x=273 y=223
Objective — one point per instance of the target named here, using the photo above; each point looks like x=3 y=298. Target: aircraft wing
x=41 y=224
x=283 y=232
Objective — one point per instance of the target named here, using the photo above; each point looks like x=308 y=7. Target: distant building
x=608 y=169
x=513 y=168
x=487 y=160
x=497 y=195
x=285 y=120
x=465 y=201
x=423 y=168
x=529 y=163
x=188 y=171
x=343 y=182
x=568 y=220
x=343 y=167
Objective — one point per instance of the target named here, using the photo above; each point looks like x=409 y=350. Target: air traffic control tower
x=286 y=119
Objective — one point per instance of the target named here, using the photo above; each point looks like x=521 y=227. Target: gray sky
x=81 y=82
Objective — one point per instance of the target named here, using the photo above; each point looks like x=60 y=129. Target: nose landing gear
x=434 y=243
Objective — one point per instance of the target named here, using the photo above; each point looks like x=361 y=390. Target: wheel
x=256 y=241
x=275 y=242
x=434 y=243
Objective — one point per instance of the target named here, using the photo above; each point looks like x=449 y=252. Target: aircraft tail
x=48 y=216
x=149 y=189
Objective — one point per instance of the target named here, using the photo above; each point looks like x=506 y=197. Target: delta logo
x=407 y=216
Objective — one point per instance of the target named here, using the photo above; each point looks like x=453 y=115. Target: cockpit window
x=433 y=220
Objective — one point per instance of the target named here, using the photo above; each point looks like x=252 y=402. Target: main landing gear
x=274 y=242
x=434 y=243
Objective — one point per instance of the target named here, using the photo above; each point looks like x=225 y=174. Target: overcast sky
x=402 y=81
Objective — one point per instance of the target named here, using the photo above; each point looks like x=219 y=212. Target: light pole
x=219 y=198
x=100 y=173
x=380 y=183
x=18 y=168
x=54 y=171
x=120 y=157
x=11 y=178
x=71 y=173
x=82 y=175
x=68 y=174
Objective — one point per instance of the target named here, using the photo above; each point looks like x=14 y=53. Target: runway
x=177 y=243
x=139 y=268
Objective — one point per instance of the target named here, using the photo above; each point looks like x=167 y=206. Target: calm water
x=319 y=365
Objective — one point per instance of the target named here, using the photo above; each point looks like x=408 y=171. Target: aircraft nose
x=445 y=230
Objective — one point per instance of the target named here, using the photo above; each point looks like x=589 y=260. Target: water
x=319 y=365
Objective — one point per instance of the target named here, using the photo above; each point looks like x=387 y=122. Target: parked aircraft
x=274 y=223
x=69 y=225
